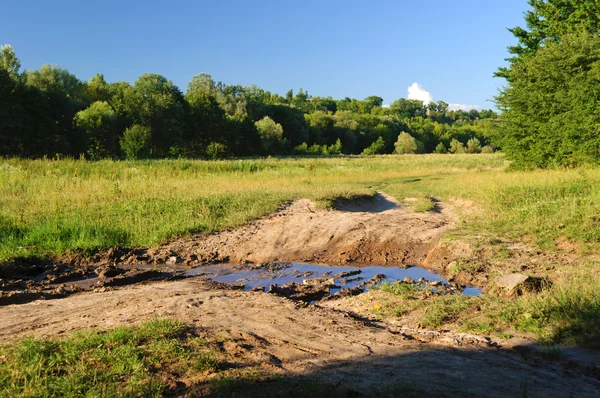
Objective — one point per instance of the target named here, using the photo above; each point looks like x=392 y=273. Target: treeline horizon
x=50 y=112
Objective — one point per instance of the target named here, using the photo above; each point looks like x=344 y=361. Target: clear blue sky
x=338 y=48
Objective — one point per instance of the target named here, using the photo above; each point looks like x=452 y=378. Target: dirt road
x=291 y=339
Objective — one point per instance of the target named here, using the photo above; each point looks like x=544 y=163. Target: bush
x=473 y=145
x=271 y=134
x=441 y=148
x=135 y=142
x=487 y=149
x=406 y=144
x=376 y=148
x=216 y=150
x=457 y=147
x=335 y=149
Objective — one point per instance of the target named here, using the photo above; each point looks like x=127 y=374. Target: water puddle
x=335 y=278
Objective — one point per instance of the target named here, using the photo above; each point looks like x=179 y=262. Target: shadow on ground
x=435 y=372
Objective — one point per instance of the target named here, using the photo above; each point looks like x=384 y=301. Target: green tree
x=551 y=107
x=441 y=148
x=457 y=147
x=271 y=135
x=9 y=60
x=549 y=21
x=135 y=142
x=376 y=148
x=97 y=124
x=406 y=144
x=473 y=145
x=156 y=102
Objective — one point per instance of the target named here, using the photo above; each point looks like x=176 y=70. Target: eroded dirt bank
x=289 y=338
x=368 y=232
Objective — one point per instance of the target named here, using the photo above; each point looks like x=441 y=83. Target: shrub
x=135 y=142
x=335 y=149
x=216 y=150
x=473 y=145
x=376 y=148
x=271 y=134
x=441 y=148
x=457 y=147
x=406 y=143
x=487 y=149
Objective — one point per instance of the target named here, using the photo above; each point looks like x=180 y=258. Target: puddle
x=338 y=277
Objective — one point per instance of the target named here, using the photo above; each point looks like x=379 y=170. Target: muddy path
x=364 y=232
x=297 y=340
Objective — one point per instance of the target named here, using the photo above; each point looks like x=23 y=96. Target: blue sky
x=338 y=48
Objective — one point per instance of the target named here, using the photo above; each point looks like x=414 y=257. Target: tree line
x=50 y=112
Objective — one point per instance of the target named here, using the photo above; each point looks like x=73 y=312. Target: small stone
x=511 y=282
x=408 y=280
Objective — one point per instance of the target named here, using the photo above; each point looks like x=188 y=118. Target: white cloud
x=417 y=92
x=462 y=107
x=385 y=105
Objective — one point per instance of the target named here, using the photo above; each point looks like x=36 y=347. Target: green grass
x=567 y=313
x=51 y=206
x=48 y=206
x=127 y=362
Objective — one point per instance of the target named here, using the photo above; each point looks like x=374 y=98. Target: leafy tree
x=156 y=102
x=216 y=150
x=551 y=107
x=97 y=124
x=441 y=148
x=457 y=147
x=9 y=60
x=473 y=145
x=376 y=148
x=549 y=21
x=406 y=144
x=271 y=134
x=135 y=142
x=407 y=108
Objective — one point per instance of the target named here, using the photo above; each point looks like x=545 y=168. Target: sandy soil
x=291 y=339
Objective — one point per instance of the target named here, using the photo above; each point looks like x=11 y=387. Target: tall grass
x=49 y=206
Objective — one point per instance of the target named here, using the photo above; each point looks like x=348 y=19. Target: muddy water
x=343 y=277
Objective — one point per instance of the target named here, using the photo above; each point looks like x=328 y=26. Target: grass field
x=47 y=206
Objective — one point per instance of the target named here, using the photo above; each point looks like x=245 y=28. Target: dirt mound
x=364 y=232
x=290 y=339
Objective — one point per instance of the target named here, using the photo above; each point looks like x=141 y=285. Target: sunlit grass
x=127 y=361
x=47 y=206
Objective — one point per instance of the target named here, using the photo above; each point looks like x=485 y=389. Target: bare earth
x=290 y=339
x=293 y=339
x=368 y=232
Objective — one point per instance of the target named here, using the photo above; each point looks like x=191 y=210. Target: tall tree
x=551 y=108
x=549 y=20
x=157 y=103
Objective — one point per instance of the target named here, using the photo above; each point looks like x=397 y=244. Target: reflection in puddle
x=342 y=277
